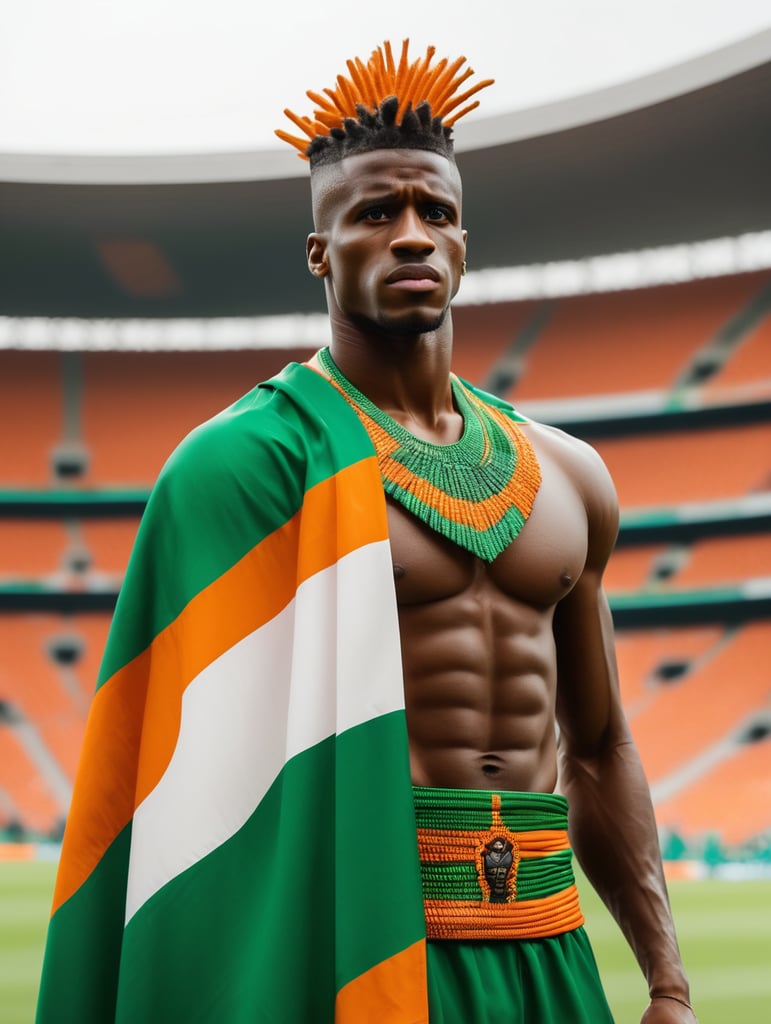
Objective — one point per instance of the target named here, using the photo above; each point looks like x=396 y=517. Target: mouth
x=413 y=272
x=414 y=277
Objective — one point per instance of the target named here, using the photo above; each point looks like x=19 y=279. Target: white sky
x=171 y=76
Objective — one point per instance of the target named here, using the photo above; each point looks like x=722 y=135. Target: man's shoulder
x=495 y=400
x=580 y=459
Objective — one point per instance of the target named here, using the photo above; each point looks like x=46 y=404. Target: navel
x=491 y=765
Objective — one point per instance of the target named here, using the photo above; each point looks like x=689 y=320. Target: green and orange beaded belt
x=495 y=865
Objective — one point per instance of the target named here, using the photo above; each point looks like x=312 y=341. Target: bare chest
x=538 y=568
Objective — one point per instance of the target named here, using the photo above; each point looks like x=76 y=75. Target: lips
x=413 y=272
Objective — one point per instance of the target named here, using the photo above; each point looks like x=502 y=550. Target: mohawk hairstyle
x=385 y=105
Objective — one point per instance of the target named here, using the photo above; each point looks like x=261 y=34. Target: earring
x=463 y=269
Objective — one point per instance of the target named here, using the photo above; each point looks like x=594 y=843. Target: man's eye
x=376 y=213
x=436 y=213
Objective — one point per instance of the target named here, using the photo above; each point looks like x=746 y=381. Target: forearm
x=614 y=836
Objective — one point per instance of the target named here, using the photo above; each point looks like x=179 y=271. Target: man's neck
x=407 y=376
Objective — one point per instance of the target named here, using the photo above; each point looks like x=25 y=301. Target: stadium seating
x=31 y=549
x=694 y=711
x=642 y=653
x=689 y=691
x=108 y=543
x=747 y=373
x=629 y=340
x=676 y=468
x=484 y=335
x=732 y=799
x=715 y=561
x=28 y=802
x=138 y=407
x=30 y=417
x=630 y=568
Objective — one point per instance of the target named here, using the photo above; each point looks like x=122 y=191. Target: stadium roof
x=682 y=155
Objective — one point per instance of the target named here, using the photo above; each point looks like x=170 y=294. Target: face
x=389 y=242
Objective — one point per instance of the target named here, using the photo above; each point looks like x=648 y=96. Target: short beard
x=406 y=327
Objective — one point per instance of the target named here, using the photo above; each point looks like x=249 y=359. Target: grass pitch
x=724 y=930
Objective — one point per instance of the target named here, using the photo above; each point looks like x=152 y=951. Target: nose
x=411 y=234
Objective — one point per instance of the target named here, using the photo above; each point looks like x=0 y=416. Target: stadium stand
x=632 y=568
x=723 y=560
x=736 y=792
x=108 y=420
x=492 y=339
x=747 y=372
x=643 y=656
x=30 y=416
x=689 y=466
x=31 y=549
x=108 y=543
x=698 y=708
x=138 y=407
x=630 y=340
x=28 y=805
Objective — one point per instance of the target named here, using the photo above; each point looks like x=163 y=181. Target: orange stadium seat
x=138 y=406
x=48 y=695
x=703 y=465
x=109 y=542
x=747 y=373
x=716 y=561
x=732 y=799
x=688 y=716
x=30 y=416
x=27 y=673
x=630 y=340
x=629 y=568
x=31 y=548
x=34 y=805
x=640 y=652
x=483 y=334
x=92 y=628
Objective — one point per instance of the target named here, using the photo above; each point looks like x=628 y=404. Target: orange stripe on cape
x=135 y=716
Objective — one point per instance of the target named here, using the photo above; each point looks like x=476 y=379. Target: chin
x=411 y=324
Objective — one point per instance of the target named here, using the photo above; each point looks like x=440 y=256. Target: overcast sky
x=170 y=76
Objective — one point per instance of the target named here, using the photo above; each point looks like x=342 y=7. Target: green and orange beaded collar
x=478 y=492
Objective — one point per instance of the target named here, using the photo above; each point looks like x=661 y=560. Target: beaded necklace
x=478 y=492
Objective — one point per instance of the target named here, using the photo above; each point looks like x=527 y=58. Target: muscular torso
x=477 y=643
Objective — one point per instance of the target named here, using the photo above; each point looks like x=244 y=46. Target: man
x=363 y=596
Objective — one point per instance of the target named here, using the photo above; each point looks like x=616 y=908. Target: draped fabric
x=241 y=844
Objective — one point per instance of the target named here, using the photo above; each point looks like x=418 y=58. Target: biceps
x=588 y=706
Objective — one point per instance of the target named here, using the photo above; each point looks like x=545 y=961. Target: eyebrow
x=370 y=197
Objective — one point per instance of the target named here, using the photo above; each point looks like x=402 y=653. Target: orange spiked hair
x=386 y=104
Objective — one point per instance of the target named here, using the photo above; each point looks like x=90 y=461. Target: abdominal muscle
x=479 y=664
x=479 y=703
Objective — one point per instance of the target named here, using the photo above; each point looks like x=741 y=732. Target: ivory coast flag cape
x=241 y=845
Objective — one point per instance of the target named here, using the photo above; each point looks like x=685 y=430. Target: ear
x=316 y=249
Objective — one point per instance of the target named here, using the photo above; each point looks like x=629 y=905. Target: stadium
x=619 y=287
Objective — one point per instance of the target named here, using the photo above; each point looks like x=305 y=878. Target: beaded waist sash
x=495 y=865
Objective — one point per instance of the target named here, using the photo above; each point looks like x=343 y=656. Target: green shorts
x=516 y=981
x=506 y=943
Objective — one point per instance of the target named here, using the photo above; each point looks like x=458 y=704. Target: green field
x=724 y=928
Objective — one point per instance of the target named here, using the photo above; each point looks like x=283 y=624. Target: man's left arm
x=612 y=825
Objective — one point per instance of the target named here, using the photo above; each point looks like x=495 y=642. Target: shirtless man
x=289 y=647
x=494 y=653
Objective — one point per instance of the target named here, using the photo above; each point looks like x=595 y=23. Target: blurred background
x=152 y=270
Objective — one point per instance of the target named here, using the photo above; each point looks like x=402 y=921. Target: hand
x=663 y=1010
